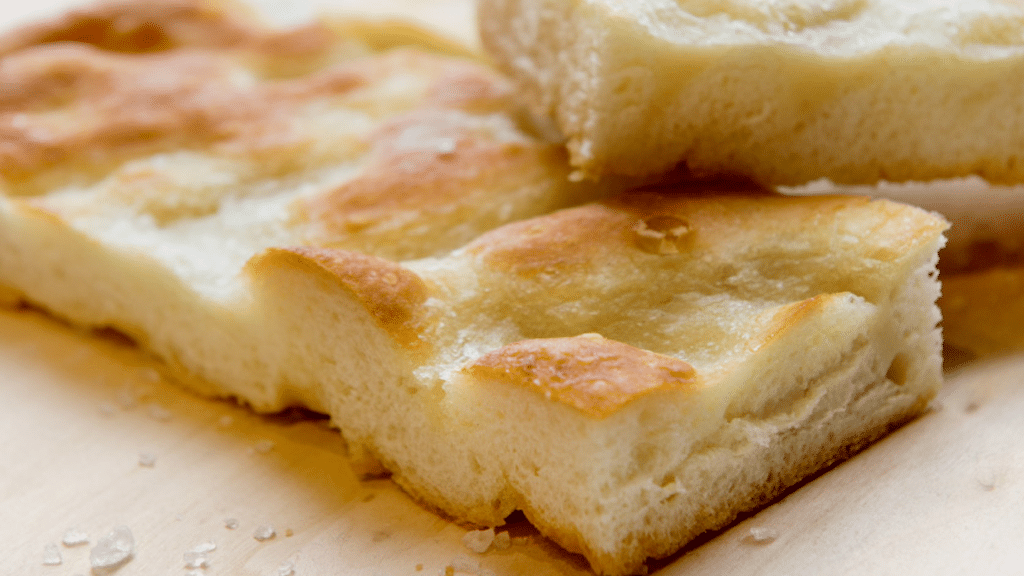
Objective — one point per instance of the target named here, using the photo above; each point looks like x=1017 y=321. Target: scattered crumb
x=502 y=541
x=288 y=533
x=147 y=459
x=106 y=408
x=286 y=568
x=369 y=497
x=521 y=540
x=51 y=555
x=479 y=541
x=195 y=573
x=113 y=549
x=264 y=533
x=231 y=523
x=761 y=535
x=158 y=412
x=179 y=517
x=74 y=537
x=419 y=567
x=972 y=407
x=225 y=421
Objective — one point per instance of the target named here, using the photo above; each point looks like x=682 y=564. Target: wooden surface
x=943 y=495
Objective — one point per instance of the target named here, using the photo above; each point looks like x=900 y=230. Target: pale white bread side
x=781 y=91
x=385 y=237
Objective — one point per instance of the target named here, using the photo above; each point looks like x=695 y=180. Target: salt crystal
x=113 y=549
x=286 y=569
x=204 y=547
x=479 y=540
x=502 y=541
x=264 y=533
x=74 y=537
x=194 y=573
x=147 y=460
x=158 y=412
x=51 y=555
x=231 y=523
x=263 y=446
x=106 y=408
x=195 y=560
x=225 y=421
x=762 y=535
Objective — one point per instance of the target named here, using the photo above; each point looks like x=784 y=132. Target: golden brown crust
x=701 y=221
x=126 y=26
x=787 y=318
x=421 y=180
x=95 y=87
x=592 y=374
x=390 y=293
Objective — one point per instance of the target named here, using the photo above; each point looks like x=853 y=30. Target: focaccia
x=381 y=234
x=781 y=91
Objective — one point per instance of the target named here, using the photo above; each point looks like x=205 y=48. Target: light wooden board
x=943 y=495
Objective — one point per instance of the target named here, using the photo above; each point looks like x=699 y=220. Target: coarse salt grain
x=74 y=537
x=225 y=421
x=231 y=523
x=286 y=569
x=113 y=549
x=147 y=460
x=204 y=547
x=479 y=540
x=195 y=560
x=51 y=555
x=762 y=535
x=264 y=533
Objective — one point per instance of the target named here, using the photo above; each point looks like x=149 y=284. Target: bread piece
x=386 y=238
x=982 y=264
x=781 y=91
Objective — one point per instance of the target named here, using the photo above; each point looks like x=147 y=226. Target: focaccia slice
x=781 y=91
x=387 y=238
